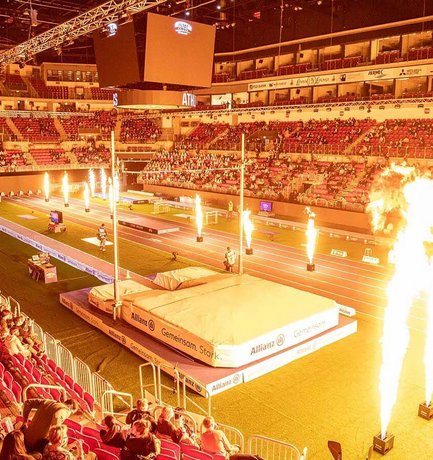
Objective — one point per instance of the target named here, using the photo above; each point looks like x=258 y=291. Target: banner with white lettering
x=344 y=77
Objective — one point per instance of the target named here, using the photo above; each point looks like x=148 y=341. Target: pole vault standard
x=241 y=207
x=114 y=181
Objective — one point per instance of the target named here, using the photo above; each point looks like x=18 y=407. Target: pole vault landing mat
x=203 y=379
x=149 y=225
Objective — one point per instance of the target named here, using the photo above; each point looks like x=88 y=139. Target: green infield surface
x=330 y=394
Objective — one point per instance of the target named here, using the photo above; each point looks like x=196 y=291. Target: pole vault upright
x=115 y=181
x=241 y=207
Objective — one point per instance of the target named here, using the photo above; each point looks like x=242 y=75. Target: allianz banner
x=344 y=77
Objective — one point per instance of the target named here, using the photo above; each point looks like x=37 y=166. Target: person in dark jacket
x=112 y=434
x=141 y=443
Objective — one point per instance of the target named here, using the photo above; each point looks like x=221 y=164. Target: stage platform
x=231 y=320
x=210 y=379
x=149 y=225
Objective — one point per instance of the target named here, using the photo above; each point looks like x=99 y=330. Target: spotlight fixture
x=111 y=29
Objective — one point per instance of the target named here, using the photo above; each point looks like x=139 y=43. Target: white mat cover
x=174 y=279
x=231 y=321
x=102 y=297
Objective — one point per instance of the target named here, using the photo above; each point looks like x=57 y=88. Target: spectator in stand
x=14 y=345
x=185 y=433
x=111 y=433
x=165 y=428
x=59 y=449
x=13 y=448
x=141 y=412
x=214 y=441
x=48 y=413
x=141 y=444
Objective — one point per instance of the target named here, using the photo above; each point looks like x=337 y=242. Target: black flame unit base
x=425 y=411
x=199 y=239
x=249 y=251
x=383 y=446
x=311 y=267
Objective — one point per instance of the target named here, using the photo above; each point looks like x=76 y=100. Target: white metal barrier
x=100 y=387
x=14 y=306
x=50 y=345
x=144 y=385
x=43 y=387
x=175 y=389
x=83 y=376
x=65 y=360
x=271 y=449
x=4 y=301
x=233 y=435
x=37 y=331
x=186 y=399
x=108 y=407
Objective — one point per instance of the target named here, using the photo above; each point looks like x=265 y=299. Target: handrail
x=176 y=383
x=272 y=449
x=186 y=398
x=144 y=386
x=234 y=435
x=44 y=387
x=109 y=409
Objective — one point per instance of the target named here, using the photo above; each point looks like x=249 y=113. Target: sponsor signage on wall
x=344 y=77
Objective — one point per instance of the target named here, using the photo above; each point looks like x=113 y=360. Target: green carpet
x=330 y=394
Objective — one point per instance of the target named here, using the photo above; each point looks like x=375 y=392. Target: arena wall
x=325 y=216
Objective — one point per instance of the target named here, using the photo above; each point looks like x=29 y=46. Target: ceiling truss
x=83 y=24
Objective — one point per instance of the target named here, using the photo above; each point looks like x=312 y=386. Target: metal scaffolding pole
x=115 y=181
x=83 y=24
x=241 y=207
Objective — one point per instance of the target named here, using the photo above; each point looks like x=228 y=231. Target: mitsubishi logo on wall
x=182 y=28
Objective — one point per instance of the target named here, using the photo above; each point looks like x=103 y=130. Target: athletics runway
x=350 y=283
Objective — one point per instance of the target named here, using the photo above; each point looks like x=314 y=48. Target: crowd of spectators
x=98 y=124
x=10 y=160
x=139 y=130
x=331 y=184
x=91 y=154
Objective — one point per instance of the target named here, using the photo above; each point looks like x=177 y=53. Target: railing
x=56 y=167
x=108 y=407
x=144 y=385
x=50 y=346
x=186 y=399
x=14 y=306
x=100 y=387
x=233 y=435
x=175 y=389
x=65 y=360
x=45 y=388
x=271 y=449
x=83 y=376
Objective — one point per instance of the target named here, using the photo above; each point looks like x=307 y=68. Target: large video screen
x=116 y=56
x=178 y=52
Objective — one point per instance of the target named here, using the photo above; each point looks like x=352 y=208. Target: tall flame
x=103 y=184
x=198 y=215
x=65 y=188
x=111 y=194
x=47 y=186
x=92 y=182
x=86 y=196
x=311 y=234
x=248 y=227
x=399 y=188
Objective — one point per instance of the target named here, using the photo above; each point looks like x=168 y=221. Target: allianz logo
x=182 y=28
